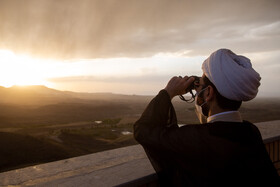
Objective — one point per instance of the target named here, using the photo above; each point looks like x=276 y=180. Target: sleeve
x=158 y=117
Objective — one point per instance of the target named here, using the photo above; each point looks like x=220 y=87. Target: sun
x=20 y=70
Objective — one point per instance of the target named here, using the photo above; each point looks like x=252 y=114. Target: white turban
x=232 y=75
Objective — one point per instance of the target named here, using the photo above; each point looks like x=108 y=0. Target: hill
x=42 y=95
x=39 y=105
x=39 y=124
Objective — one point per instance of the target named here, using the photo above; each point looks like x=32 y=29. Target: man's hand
x=178 y=85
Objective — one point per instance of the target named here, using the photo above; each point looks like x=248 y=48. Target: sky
x=132 y=46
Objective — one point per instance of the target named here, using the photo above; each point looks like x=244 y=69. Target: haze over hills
x=42 y=95
x=32 y=95
x=61 y=124
x=38 y=105
x=39 y=124
x=42 y=105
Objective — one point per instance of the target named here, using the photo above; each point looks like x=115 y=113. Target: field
x=39 y=125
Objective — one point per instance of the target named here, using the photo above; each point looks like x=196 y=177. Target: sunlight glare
x=19 y=70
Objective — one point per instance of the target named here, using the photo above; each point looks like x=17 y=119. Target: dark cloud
x=72 y=29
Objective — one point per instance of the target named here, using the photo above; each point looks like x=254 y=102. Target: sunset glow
x=96 y=75
x=141 y=75
x=19 y=70
x=132 y=47
x=23 y=70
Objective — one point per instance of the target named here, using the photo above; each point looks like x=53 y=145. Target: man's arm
x=160 y=115
x=156 y=119
x=157 y=131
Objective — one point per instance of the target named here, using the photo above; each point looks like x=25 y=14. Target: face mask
x=202 y=118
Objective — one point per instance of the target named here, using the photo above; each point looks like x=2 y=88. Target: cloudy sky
x=132 y=46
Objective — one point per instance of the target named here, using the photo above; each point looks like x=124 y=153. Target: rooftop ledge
x=128 y=166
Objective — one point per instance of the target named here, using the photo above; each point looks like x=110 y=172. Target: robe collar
x=229 y=116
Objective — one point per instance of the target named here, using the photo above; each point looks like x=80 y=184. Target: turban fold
x=233 y=75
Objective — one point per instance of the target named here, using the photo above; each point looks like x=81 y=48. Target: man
x=225 y=151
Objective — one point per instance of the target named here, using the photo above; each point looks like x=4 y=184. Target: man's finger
x=186 y=77
x=189 y=81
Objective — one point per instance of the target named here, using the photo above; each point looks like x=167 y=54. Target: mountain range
x=40 y=124
x=39 y=105
x=42 y=95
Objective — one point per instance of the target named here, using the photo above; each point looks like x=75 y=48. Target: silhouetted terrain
x=38 y=124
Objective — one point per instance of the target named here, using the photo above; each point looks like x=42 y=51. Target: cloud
x=148 y=85
x=113 y=79
x=70 y=29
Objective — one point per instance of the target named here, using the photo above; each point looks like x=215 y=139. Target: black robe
x=216 y=154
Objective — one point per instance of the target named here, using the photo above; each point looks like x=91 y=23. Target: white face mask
x=202 y=118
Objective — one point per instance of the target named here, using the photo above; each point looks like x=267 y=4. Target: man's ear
x=210 y=94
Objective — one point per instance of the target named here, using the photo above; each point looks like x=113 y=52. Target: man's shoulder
x=231 y=130
x=228 y=126
x=238 y=131
x=218 y=124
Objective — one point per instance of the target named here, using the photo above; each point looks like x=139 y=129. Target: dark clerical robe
x=212 y=154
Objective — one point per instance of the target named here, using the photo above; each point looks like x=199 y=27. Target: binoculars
x=189 y=89
x=192 y=86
